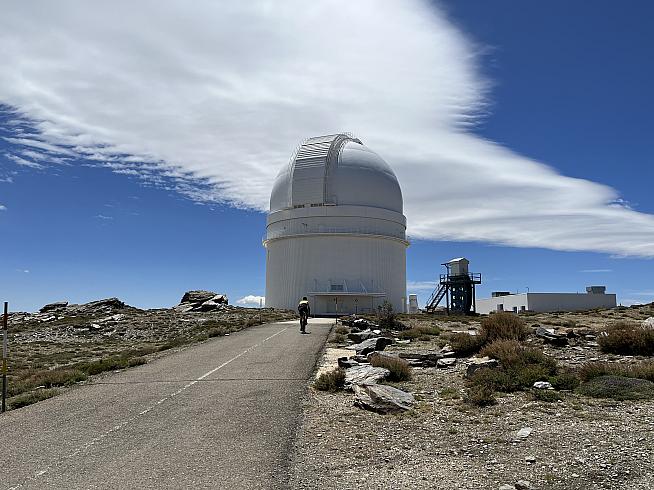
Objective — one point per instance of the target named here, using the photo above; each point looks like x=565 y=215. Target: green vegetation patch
x=641 y=370
x=520 y=367
x=25 y=399
x=422 y=332
x=618 y=388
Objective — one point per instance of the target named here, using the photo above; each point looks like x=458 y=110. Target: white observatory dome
x=335 y=231
x=336 y=170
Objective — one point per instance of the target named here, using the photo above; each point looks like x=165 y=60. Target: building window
x=515 y=309
x=523 y=308
x=500 y=307
x=336 y=287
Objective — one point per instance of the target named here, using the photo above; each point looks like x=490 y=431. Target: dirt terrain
x=575 y=442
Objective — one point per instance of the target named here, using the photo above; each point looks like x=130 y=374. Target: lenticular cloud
x=210 y=98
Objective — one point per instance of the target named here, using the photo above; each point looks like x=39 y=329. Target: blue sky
x=93 y=210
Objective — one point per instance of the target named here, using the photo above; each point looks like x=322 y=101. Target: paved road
x=222 y=414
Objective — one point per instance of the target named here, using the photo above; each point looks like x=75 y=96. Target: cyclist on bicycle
x=304 y=310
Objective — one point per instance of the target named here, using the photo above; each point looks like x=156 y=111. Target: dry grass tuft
x=400 y=370
x=642 y=370
x=331 y=381
x=628 y=338
x=503 y=326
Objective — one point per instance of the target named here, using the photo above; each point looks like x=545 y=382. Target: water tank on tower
x=335 y=231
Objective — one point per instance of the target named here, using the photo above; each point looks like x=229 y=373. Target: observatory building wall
x=358 y=272
x=336 y=232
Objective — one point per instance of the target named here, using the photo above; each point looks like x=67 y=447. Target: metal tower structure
x=457 y=286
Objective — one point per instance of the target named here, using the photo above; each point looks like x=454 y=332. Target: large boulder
x=371 y=345
x=58 y=305
x=202 y=301
x=358 y=375
x=649 y=323
x=382 y=398
x=197 y=297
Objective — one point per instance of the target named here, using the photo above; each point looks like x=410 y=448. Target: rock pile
x=202 y=301
x=363 y=379
x=358 y=324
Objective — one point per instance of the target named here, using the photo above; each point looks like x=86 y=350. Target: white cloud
x=104 y=217
x=3 y=207
x=421 y=285
x=24 y=162
x=215 y=97
x=251 y=300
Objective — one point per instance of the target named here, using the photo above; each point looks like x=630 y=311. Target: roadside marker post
x=4 y=357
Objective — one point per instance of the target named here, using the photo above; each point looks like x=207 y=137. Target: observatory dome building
x=335 y=232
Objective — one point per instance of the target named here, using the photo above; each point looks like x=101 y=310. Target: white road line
x=122 y=425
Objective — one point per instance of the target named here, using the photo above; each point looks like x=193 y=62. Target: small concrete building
x=413 y=303
x=595 y=297
x=336 y=231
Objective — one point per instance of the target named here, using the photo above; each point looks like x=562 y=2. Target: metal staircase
x=436 y=297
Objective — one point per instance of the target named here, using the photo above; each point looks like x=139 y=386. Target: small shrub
x=136 y=361
x=503 y=326
x=29 y=398
x=545 y=395
x=386 y=315
x=480 y=396
x=520 y=367
x=564 y=381
x=465 y=344
x=338 y=338
x=421 y=333
x=618 y=388
x=400 y=370
x=216 y=332
x=627 y=338
x=109 y=364
x=29 y=380
x=449 y=394
x=331 y=381
x=342 y=330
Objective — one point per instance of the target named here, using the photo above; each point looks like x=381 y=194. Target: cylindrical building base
x=338 y=273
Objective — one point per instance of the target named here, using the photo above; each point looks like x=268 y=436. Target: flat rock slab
x=425 y=359
x=481 y=363
x=359 y=375
x=382 y=398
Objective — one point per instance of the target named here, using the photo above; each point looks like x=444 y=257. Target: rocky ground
x=63 y=343
x=444 y=442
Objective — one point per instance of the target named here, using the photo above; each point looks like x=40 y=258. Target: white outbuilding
x=336 y=232
x=595 y=297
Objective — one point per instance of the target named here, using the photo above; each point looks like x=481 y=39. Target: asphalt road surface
x=222 y=414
